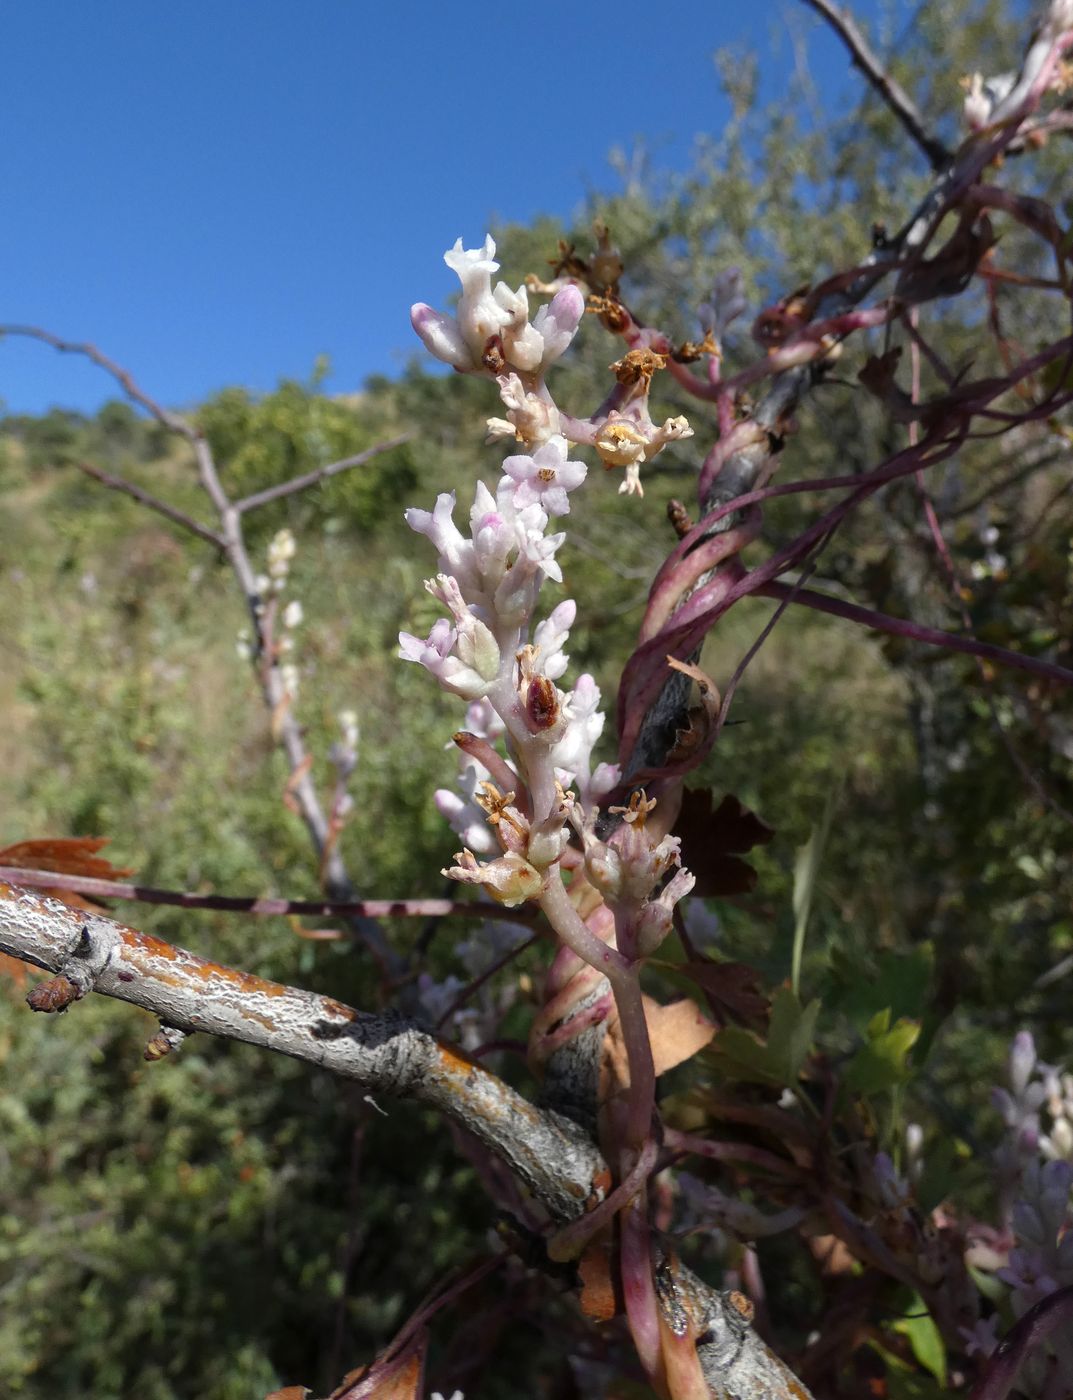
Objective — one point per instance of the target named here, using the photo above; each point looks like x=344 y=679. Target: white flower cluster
x=492 y=329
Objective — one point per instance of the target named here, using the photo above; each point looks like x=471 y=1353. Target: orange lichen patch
x=195 y=968
x=454 y=1061
x=145 y=942
x=741 y=1304
x=338 y=1009
x=266 y=1021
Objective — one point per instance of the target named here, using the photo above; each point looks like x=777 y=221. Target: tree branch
x=916 y=632
x=334 y=874
x=889 y=89
x=145 y=498
x=318 y=474
x=267 y=904
x=174 y=422
x=385 y=1053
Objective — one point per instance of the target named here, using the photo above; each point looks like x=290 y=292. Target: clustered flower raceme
x=491 y=334
x=491 y=652
x=628 y=869
x=1033 y=1255
x=269 y=587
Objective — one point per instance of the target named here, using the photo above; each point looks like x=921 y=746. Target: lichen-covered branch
x=388 y=1054
x=385 y=1052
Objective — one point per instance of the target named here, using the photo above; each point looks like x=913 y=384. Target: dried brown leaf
x=676 y=1033
x=600 y=1293
x=67 y=855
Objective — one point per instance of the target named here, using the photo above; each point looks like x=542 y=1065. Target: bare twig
x=172 y=421
x=917 y=632
x=145 y=498
x=302 y=483
x=267 y=905
x=891 y=91
x=231 y=540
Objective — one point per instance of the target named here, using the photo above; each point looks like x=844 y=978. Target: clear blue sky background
x=218 y=191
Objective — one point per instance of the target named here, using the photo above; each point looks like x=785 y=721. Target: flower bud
x=541 y=705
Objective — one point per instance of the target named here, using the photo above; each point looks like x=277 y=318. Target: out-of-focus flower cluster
x=478 y=1020
x=269 y=587
x=1033 y=1256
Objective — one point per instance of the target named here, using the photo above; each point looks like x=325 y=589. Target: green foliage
x=778 y=1059
x=258 y=442
x=882 y=1061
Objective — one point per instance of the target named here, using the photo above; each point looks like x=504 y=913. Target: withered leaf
x=733 y=989
x=600 y=1291
x=67 y=855
x=713 y=841
x=396 y=1382
x=676 y=1032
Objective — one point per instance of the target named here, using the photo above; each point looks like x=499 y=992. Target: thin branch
x=1027 y=1337
x=917 y=632
x=472 y=988
x=335 y=877
x=266 y=905
x=307 y=479
x=172 y=421
x=145 y=498
x=889 y=89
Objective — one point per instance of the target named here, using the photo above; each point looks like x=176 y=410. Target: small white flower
x=348 y=725
x=292 y=613
x=546 y=477
x=288 y=675
x=281 y=551
x=495 y=322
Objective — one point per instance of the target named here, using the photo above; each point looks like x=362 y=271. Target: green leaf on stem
x=882 y=1062
x=806 y=868
x=742 y=1055
x=923 y=1336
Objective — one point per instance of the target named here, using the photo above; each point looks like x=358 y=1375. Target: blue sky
x=217 y=193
